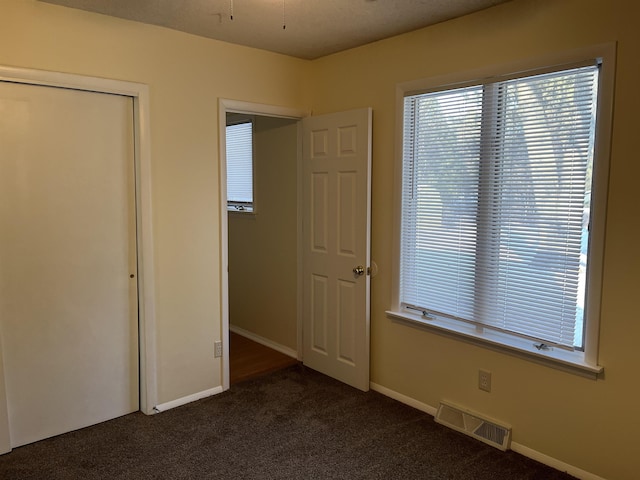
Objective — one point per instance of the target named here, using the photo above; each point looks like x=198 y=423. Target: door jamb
x=237 y=106
x=142 y=158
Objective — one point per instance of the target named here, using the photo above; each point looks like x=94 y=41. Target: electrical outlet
x=484 y=380
x=217 y=349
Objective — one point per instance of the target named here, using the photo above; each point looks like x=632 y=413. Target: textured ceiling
x=314 y=28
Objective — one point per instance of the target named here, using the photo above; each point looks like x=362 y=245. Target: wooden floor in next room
x=249 y=359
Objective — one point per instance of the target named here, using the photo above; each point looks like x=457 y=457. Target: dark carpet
x=291 y=424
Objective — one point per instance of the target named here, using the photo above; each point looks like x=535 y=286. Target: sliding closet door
x=68 y=286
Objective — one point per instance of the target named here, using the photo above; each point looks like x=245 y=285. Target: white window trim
x=576 y=362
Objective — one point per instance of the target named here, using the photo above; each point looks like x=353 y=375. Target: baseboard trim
x=553 y=462
x=412 y=402
x=163 y=407
x=516 y=447
x=264 y=341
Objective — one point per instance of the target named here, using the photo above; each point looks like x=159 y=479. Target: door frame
x=144 y=231
x=236 y=106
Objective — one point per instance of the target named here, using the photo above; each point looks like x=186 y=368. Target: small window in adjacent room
x=499 y=207
x=240 y=166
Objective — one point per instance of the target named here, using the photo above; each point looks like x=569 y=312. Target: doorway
x=135 y=97
x=334 y=203
x=261 y=161
x=243 y=230
x=68 y=308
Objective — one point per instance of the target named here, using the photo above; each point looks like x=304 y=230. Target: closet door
x=68 y=280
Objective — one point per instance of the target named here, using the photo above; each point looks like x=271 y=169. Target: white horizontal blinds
x=240 y=163
x=496 y=201
x=540 y=205
x=440 y=200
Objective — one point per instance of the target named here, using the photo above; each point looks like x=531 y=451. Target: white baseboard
x=552 y=462
x=264 y=341
x=163 y=407
x=412 y=402
x=516 y=447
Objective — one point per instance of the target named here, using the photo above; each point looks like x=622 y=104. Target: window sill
x=241 y=213
x=572 y=362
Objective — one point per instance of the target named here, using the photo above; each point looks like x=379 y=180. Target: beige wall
x=186 y=75
x=263 y=246
x=586 y=423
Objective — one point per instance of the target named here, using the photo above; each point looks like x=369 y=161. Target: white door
x=336 y=246
x=68 y=292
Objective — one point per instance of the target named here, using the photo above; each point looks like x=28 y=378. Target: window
x=240 y=166
x=496 y=213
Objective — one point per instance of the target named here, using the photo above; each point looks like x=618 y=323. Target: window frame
x=583 y=363
x=241 y=208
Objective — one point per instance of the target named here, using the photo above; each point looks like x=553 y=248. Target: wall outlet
x=484 y=380
x=217 y=349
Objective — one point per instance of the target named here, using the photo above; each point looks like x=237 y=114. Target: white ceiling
x=314 y=28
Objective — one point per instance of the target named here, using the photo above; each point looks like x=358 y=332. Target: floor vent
x=488 y=431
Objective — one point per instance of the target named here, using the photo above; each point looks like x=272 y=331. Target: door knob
x=359 y=270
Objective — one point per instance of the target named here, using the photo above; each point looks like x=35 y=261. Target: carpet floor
x=291 y=424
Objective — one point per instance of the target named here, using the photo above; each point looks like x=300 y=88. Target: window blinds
x=240 y=163
x=496 y=201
